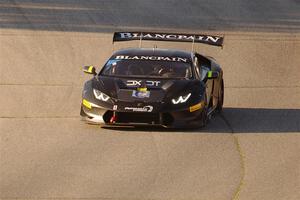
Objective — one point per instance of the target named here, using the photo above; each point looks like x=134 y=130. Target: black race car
x=161 y=87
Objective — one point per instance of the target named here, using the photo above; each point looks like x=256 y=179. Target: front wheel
x=220 y=97
x=204 y=117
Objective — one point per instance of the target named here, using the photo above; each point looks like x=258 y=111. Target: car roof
x=153 y=52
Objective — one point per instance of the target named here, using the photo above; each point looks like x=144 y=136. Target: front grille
x=140 y=118
x=131 y=117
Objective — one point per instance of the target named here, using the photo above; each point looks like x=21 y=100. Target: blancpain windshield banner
x=176 y=37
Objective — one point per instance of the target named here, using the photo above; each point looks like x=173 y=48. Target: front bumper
x=189 y=117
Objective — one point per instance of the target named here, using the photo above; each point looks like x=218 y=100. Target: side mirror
x=212 y=74
x=89 y=70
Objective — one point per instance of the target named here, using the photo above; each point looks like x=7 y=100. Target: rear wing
x=172 y=37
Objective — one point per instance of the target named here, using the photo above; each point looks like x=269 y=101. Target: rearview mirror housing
x=89 y=69
x=212 y=74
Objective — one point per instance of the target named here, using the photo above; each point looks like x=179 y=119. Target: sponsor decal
x=163 y=58
x=141 y=93
x=115 y=107
x=86 y=103
x=198 y=106
x=208 y=39
x=142 y=89
x=139 y=83
x=142 y=109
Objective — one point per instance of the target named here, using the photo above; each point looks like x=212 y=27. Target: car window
x=147 y=68
x=204 y=72
x=197 y=67
x=202 y=66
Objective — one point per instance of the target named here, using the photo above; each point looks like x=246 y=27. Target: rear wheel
x=220 y=97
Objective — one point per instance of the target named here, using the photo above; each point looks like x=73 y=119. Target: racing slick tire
x=220 y=98
x=204 y=115
x=81 y=111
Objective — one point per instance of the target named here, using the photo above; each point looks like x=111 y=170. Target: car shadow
x=239 y=120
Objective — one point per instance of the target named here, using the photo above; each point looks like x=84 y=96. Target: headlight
x=100 y=95
x=181 y=99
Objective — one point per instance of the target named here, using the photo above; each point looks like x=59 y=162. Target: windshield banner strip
x=151 y=58
x=174 y=37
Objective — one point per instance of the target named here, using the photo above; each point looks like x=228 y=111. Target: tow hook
x=113 y=118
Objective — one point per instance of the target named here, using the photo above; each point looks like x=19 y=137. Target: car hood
x=154 y=90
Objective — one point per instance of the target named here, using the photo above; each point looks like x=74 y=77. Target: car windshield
x=147 y=68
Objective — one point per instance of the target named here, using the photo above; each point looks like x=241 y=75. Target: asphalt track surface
x=251 y=151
